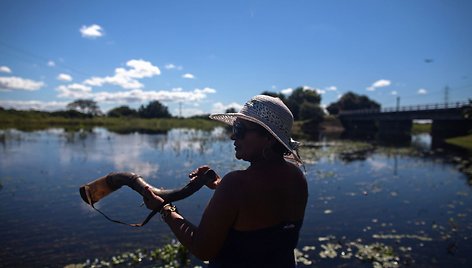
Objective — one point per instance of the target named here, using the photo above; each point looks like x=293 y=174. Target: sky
x=199 y=57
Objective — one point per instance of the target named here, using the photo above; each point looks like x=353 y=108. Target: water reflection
x=368 y=205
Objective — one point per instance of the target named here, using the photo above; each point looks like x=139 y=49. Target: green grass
x=464 y=142
x=31 y=120
x=420 y=128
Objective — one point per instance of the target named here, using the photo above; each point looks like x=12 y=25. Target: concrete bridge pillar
x=450 y=128
x=394 y=131
x=359 y=129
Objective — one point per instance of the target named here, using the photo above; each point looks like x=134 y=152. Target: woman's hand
x=201 y=172
x=151 y=200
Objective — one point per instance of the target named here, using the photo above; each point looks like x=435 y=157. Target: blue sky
x=206 y=56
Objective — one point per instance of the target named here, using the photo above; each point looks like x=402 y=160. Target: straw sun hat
x=270 y=113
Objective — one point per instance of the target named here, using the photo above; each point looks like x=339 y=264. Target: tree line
x=303 y=103
x=153 y=109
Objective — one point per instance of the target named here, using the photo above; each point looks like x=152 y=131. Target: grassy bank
x=464 y=142
x=37 y=120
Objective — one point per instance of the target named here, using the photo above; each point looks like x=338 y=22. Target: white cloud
x=205 y=90
x=379 y=83
x=331 y=88
x=51 y=63
x=64 y=77
x=171 y=66
x=187 y=112
x=188 y=76
x=138 y=95
x=18 y=83
x=93 y=31
x=422 y=91
x=5 y=69
x=317 y=90
x=287 y=91
x=35 y=105
x=394 y=93
x=127 y=78
x=377 y=165
x=221 y=108
x=75 y=91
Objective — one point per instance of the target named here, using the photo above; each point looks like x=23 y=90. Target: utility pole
x=398 y=103
x=180 y=109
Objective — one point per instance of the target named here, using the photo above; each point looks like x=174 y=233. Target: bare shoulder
x=296 y=172
x=231 y=182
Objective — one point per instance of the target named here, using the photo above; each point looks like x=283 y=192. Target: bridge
x=395 y=123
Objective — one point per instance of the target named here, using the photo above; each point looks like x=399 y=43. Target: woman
x=255 y=215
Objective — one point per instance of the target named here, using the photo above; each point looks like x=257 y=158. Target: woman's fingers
x=151 y=200
x=199 y=171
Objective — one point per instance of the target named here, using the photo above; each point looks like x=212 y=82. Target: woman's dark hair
x=278 y=147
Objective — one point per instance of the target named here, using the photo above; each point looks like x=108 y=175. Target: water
x=414 y=210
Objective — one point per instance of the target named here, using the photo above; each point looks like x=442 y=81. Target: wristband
x=166 y=210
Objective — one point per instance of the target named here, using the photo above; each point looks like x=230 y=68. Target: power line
x=29 y=55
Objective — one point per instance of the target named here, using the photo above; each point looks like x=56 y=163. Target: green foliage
x=231 y=110
x=300 y=96
x=420 y=128
x=464 y=142
x=34 y=120
x=274 y=94
x=122 y=111
x=70 y=114
x=85 y=106
x=154 y=110
x=311 y=111
x=352 y=101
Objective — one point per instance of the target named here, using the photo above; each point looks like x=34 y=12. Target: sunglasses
x=239 y=130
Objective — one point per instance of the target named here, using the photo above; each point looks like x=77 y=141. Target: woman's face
x=249 y=142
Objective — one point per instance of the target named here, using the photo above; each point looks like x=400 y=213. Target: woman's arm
x=205 y=240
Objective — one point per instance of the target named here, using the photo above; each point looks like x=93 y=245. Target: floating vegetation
x=302 y=257
x=399 y=237
x=378 y=254
x=169 y=255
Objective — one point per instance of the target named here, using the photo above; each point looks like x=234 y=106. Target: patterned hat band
x=270 y=113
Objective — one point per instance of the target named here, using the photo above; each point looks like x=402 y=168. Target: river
x=379 y=207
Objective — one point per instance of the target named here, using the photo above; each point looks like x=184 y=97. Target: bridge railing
x=422 y=107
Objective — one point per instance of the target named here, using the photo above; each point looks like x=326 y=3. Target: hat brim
x=229 y=118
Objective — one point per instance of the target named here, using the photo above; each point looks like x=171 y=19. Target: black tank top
x=268 y=247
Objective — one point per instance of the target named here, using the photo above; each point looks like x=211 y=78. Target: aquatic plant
x=172 y=254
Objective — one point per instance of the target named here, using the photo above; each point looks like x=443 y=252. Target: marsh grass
x=464 y=142
x=33 y=120
x=420 y=128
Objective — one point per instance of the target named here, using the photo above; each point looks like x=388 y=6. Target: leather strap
x=146 y=220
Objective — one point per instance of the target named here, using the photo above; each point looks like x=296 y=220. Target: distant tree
x=70 y=114
x=154 y=110
x=311 y=111
x=86 y=106
x=302 y=94
x=122 y=111
x=231 y=110
x=274 y=94
x=299 y=96
x=352 y=101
